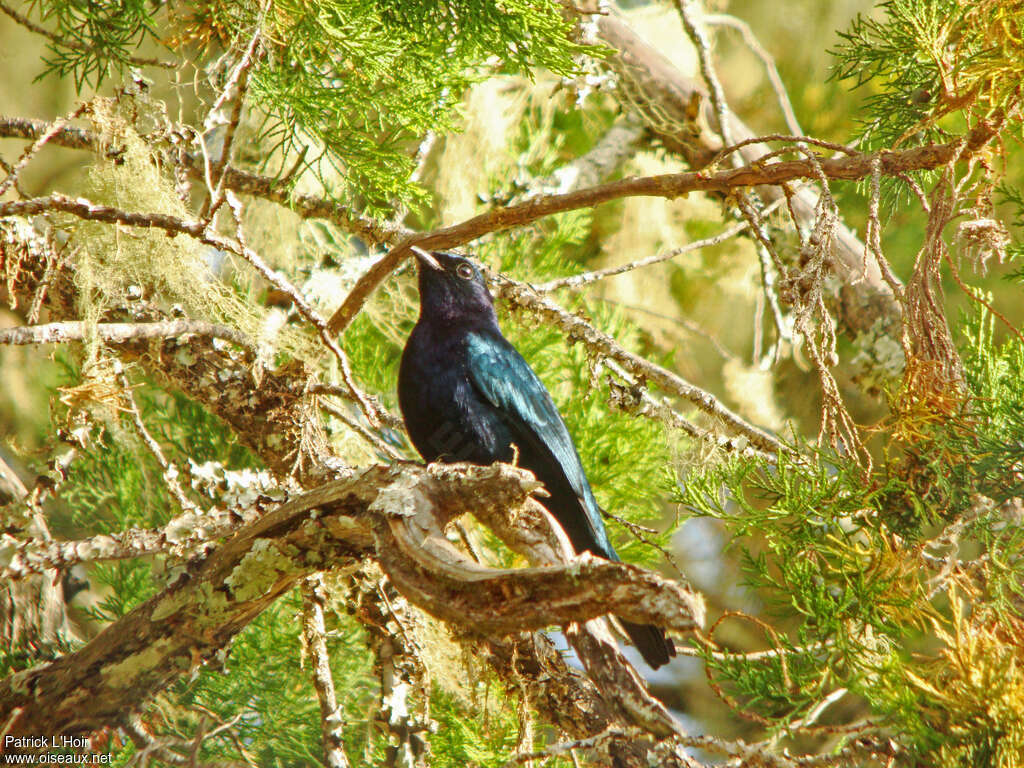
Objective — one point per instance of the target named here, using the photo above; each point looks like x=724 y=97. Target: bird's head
x=452 y=288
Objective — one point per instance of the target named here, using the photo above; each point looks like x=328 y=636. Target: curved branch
x=879 y=303
x=669 y=185
x=502 y=601
x=172 y=633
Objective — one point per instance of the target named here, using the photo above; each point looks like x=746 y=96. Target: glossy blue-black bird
x=466 y=394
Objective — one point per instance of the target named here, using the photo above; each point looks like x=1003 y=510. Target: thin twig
x=725 y=20
x=640 y=533
x=314 y=633
x=767 y=257
x=657 y=409
x=770 y=653
x=54 y=259
x=235 y=87
x=284 y=285
x=170 y=471
x=812 y=717
x=52 y=130
x=575 y=281
x=11 y=720
x=798 y=140
x=388 y=419
x=9 y=169
x=375 y=440
x=119 y=333
x=976 y=295
x=707 y=68
x=873 y=234
x=591 y=742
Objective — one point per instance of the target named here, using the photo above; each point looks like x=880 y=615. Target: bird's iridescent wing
x=506 y=380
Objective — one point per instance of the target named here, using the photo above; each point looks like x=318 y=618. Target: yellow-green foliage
x=908 y=585
x=935 y=64
x=973 y=690
x=994 y=28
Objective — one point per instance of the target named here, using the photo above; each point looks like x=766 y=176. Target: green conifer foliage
x=847 y=566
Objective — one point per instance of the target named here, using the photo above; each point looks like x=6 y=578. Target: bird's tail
x=651 y=641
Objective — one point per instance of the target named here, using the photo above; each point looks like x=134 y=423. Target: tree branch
x=173 y=632
x=497 y=601
x=585 y=278
x=758 y=50
x=849 y=265
x=314 y=632
x=22 y=557
x=118 y=333
x=670 y=185
x=375 y=512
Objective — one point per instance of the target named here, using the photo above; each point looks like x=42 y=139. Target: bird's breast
x=446 y=417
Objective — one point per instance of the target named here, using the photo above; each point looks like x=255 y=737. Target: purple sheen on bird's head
x=453 y=290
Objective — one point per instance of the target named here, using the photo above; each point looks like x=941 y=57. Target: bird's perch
x=394 y=514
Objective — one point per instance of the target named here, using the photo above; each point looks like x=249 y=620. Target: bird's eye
x=464 y=271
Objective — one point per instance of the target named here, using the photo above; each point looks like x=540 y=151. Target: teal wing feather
x=506 y=380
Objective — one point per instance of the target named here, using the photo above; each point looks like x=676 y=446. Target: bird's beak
x=425 y=258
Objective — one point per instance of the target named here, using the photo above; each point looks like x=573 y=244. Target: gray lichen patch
x=401 y=498
x=879 y=361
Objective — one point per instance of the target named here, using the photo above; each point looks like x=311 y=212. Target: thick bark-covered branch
x=113 y=333
x=532 y=532
x=19 y=557
x=173 y=632
x=498 y=601
x=378 y=512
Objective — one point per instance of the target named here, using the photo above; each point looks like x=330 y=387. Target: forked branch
x=377 y=513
